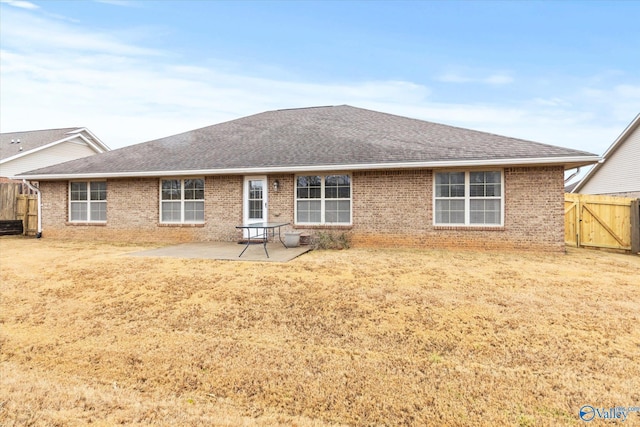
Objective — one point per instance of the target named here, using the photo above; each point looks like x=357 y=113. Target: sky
x=559 y=72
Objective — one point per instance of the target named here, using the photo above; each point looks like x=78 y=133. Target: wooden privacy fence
x=8 y=193
x=602 y=222
x=15 y=205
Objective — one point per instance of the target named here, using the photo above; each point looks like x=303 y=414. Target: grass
x=353 y=337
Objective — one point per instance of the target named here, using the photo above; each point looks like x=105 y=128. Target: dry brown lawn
x=355 y=337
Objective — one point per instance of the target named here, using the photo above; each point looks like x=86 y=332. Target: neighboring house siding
x=46 y=157
x=620 y=173
x=390 y=208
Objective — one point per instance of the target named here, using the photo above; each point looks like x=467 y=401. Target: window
x=323 y=199
x=468 y=198
x=256 y=199
x=88 y=201
x=182 y=200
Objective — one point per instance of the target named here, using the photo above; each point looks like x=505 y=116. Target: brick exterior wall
x=402 y=212
x=133 y=212
x=390 y=208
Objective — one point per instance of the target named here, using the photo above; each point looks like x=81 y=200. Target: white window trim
x=88 y=201
x=181 y=201
x=468 y=198
x=322 y=200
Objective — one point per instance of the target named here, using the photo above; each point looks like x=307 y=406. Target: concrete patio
x=228 y=251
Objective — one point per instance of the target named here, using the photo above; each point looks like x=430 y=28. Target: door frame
x=245 y=202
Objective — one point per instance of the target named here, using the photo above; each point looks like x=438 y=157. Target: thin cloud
x=628 y=91
x=552 y=102
x=498 y=79
x=122 y=3
x=56 y=74
x=21 y=4
x=25 y=31
x=493 y=79
x=159 y=98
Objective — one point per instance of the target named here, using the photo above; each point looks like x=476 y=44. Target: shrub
x=331 y=240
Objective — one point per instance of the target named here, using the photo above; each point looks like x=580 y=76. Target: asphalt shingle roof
x=29 y=140
x=339 y=135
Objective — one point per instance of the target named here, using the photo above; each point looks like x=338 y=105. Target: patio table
x=262 y=232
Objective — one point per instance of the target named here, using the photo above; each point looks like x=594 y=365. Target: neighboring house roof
x=618 y=171
x=569 y=188
x=42 y=148
x=315 y=139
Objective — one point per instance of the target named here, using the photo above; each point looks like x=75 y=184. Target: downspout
x=37 y=191
x=573 y=175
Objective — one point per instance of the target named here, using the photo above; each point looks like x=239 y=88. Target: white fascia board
x=97 y=146
x=35 y=150
x=101 y=146
x=581 y=160
x=51 y=144
x=16 y=156
x=623 y=136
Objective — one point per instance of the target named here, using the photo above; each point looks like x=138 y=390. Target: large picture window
x=323 y=199
x=88 y=201
x=182 y=200
x=468 y=198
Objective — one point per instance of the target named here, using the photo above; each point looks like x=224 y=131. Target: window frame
x=181 y=201
x=323 y=200
x=88 y=202
x=467 y=198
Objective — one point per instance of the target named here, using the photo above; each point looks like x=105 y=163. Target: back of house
x=380 y=179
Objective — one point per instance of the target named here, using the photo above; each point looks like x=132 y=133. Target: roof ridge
x=309 y=108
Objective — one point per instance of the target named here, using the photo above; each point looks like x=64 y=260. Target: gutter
x=576 y=161
x=37 y=191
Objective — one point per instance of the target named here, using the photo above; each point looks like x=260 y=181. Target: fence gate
x=27 y=212
x=601 y=221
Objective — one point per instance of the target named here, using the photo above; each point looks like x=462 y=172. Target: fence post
x=635 y=226
x=579 y=221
